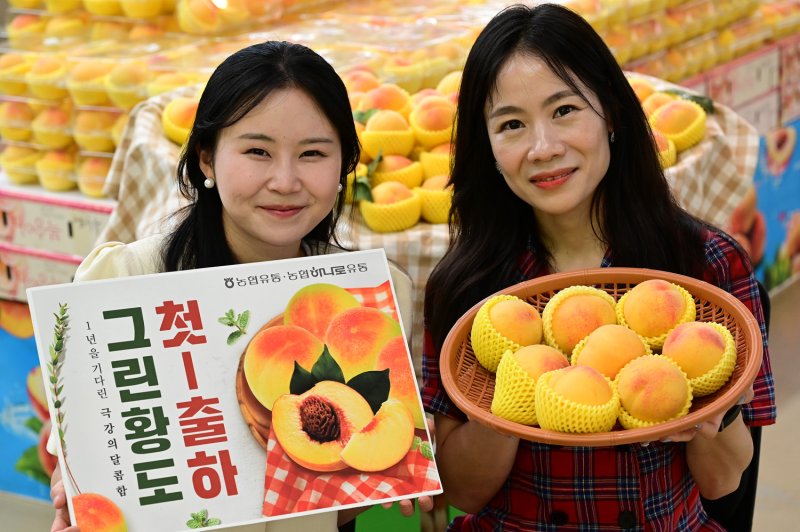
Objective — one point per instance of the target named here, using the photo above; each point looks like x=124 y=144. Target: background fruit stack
x=73 y=69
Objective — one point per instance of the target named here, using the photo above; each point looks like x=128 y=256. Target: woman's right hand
x=58 y=495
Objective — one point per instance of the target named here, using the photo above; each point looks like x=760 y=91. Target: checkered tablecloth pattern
x=379 y=297
x=290 y=488
x=710 y=180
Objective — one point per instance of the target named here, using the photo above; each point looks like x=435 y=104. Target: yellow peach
x=97 y=512
x=515 y=382
x=656 y=100
x=16 y=120
x=91 y=130
x=654 y=307
x=178 y=117
x=517 y=320
x=437 y=182
x=581 y=384
x=705 y=351
x=402 y=382
x=125 y=84
x=386 y=120
x=270 y=358
x=56 y=170
x=608 y=348
x=641 y=87
x=575 y=312
x=682 y=121
x=652 y=389
x=13 y=72
x=85 y=82
x=390 y=192
x=142 y=8
x=314 y=427
x=19 y=164
x=92 y=173
x=314 y=306
x=51 y=128
x=450 y=83
x=356 y=336
x=384 y=441
x=103 y=7
x=387 y=96
x=360 y=80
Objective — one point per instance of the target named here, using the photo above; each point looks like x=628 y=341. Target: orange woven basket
x=471 y=386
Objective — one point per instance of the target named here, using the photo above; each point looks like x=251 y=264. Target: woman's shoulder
x=116 y=259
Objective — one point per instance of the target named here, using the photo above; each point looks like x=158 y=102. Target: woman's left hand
x=407 y=505
x=708 y=428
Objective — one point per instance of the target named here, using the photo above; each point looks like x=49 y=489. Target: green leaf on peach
x=326 y=368
x=302 y=380
x=373 y=386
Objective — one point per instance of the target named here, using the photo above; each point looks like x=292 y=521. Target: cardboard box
x=764 y=113
x=745 y=79
x=22 y=268
x=34 y=218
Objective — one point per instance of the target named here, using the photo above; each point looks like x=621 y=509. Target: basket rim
x=699 y=289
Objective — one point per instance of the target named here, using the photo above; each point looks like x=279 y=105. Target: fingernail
x=666 y=440
x=741 y=400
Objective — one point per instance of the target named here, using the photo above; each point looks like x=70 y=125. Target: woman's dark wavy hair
x=238 y=85
x=638 y=218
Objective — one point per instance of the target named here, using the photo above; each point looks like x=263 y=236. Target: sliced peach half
x=384 y=441
x=314 y=427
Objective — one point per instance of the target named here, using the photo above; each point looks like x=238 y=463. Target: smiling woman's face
x=277 y=172
x=551 y=146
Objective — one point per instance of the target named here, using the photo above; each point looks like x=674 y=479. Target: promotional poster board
x=232 y=395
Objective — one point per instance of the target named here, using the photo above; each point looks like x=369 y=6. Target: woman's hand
x=58 y=495
x=709 y=428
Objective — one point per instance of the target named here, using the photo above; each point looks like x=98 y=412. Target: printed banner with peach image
x=171 y=400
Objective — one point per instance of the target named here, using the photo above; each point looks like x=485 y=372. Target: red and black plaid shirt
x=632 y=487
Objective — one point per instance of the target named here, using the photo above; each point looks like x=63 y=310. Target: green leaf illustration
x=373 y=385
x=243 y=320
x=326 y=368
x=201 y=520
x=416 y=443
x=232 y=337
x=302 y=380
x=238 y=322
x=426 y=450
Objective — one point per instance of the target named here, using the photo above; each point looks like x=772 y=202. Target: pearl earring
x=208 y=183
x=611 y=137
x=339 y=187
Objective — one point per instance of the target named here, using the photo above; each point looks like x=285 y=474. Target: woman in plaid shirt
x=555 y=170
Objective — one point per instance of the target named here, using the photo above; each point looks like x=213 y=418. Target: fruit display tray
x=471 y=386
